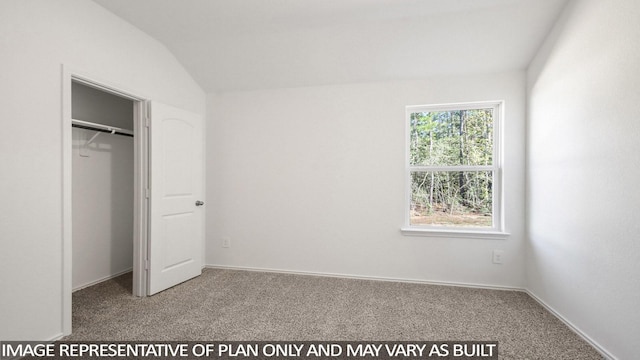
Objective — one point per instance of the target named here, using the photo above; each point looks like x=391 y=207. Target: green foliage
x=452 y=138
x=462 y=137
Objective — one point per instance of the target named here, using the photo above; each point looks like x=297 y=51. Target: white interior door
x=176 y=191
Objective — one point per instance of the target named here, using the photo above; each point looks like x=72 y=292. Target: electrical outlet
x=226 y=242
x=498 y=256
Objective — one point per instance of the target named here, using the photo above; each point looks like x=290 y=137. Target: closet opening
x=105 y=211
x=102 y=185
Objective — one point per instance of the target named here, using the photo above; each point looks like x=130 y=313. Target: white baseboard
x=365 y=277
x=94 y=282
x=571 y=326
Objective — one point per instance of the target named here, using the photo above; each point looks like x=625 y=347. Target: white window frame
x=497 y=230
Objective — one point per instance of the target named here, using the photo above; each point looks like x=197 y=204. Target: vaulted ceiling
x=256 y=44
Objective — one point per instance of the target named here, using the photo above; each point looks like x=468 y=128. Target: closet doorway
x=103 y=185
x=108 y=180
x=133 y=190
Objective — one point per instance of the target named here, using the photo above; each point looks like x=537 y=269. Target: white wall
x=37 y=37
x=102 y=207
x=312 y=179
x=583 y=171
x=102 y=188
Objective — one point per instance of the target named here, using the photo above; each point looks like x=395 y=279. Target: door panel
x=176 y=173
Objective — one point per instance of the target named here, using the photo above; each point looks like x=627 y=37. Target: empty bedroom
x=311 y=175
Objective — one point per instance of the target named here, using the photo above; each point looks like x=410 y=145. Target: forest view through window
x=453 y=166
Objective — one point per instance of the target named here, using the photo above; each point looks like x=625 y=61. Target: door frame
x=141 y=185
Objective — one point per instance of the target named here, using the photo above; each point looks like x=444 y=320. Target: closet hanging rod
x=100 y=127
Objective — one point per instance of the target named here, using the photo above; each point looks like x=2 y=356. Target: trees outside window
x=453 y=166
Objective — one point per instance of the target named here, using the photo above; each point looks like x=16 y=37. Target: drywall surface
x=583 y=171
x=257 y=44
x=312 y=179
x=102 y=206
x=37 y=38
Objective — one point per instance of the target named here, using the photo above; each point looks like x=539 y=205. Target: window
x=453 y=169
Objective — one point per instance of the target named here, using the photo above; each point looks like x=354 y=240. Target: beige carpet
x=243 y=305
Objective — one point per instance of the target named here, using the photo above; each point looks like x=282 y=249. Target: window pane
x=452 y=198
x=457 y=137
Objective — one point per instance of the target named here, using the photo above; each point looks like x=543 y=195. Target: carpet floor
x=227 y=305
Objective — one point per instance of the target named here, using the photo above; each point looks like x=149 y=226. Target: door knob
x=199 y=203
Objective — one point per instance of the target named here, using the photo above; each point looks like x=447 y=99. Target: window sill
x=466 y=234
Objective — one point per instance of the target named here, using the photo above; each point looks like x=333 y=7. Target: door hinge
x=146 y=193
x=146 y=264
x=146 y=121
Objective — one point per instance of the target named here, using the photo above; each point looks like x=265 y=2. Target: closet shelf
x=100 y=127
